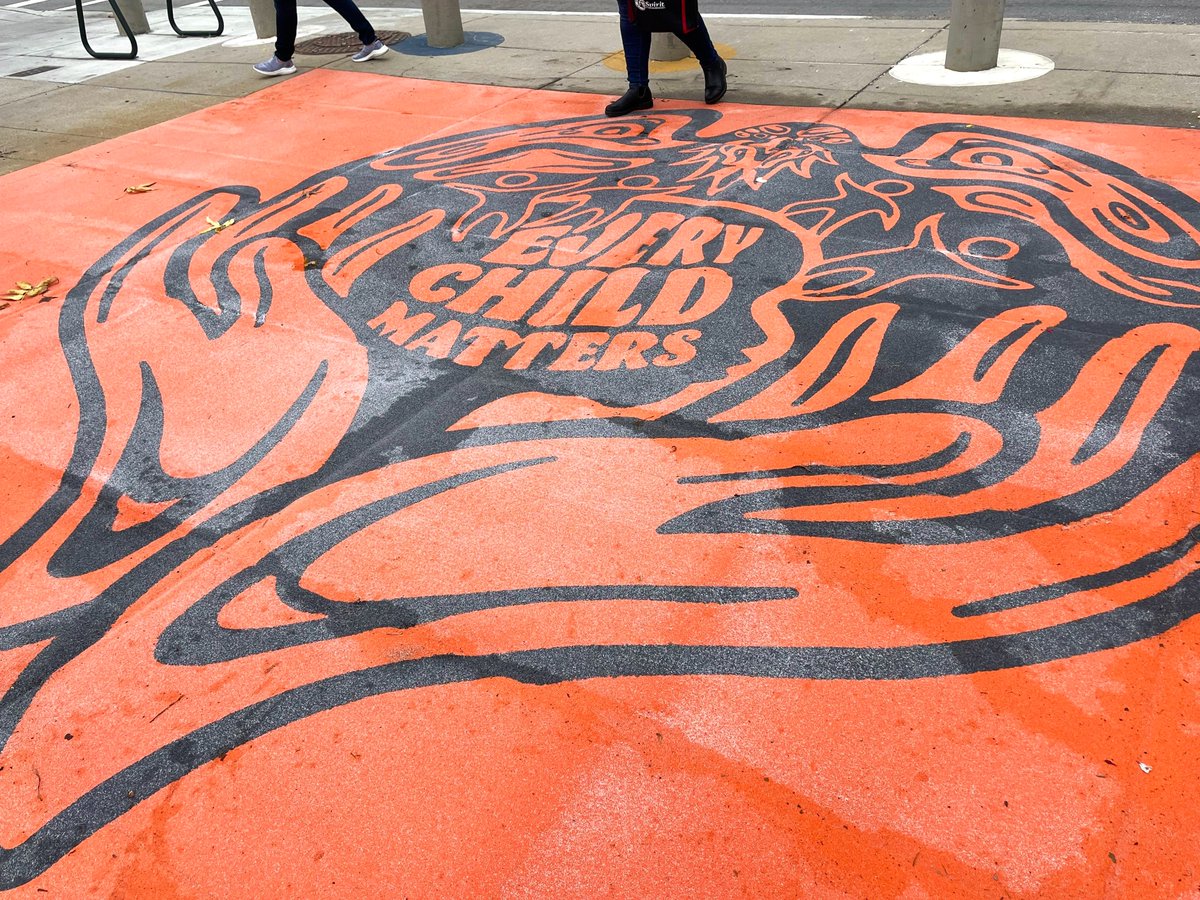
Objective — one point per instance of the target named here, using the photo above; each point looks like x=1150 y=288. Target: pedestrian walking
x=639 y=20
x=285 y=36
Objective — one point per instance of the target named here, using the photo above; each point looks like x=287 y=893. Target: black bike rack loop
x=179 y=31
x=128 y=32
x=125 y=30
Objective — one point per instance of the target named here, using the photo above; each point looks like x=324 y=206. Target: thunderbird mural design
x=658 y=399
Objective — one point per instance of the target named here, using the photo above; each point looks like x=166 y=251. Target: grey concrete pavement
x=54 y=99
x=1163 y=12
x=1160 y=12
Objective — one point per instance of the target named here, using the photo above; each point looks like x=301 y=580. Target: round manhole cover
x=346 y=42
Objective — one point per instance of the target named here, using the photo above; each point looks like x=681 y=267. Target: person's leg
x=354 y=17
x=285 y=41
x=701 y=45
x=636 y=44
x=285 y=29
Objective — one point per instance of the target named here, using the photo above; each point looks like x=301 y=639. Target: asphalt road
x=1162 y=12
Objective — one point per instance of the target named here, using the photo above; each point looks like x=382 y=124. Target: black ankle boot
x=715 y=84
x=638 y=97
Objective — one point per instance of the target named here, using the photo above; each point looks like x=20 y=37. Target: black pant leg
x=354 y=18
x=636 y=44
x=701 y=45
x=285 y=29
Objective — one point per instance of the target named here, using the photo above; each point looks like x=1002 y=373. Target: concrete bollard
x=665 y=47
x=262 y=14
x=135 y=15
x=975 y=27
x=443 y=23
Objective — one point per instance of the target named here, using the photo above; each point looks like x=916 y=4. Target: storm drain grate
x=36 y=70
x=347 y=42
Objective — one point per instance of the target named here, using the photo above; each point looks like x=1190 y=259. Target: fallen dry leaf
x=141 y=188
x=214 y=226
x=24 y=290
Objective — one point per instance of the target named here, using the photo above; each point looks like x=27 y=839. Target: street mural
x=614 y=399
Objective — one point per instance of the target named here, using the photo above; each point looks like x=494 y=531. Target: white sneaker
x=370 y=51
x=275 y=66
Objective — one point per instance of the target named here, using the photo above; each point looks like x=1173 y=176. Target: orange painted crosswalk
x=503 y=500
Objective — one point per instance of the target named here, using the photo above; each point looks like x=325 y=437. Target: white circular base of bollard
x=930 y=68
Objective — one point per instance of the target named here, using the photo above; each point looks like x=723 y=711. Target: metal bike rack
x=128 y=31
x=125 y=29
x=179 y=31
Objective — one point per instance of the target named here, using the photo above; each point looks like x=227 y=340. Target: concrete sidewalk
x=54 y=99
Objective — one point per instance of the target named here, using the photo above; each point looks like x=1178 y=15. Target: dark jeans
x=285 y=24
x=637 y=47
